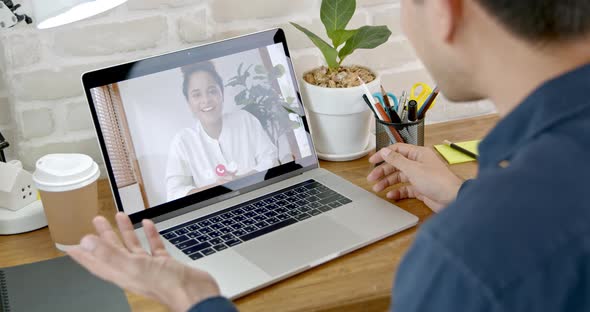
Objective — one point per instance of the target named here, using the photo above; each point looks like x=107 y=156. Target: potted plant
x=259 y=98
x=339 y=118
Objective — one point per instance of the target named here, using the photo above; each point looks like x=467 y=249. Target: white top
x=196 y=160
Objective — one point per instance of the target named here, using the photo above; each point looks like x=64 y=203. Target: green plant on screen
x=259 y=98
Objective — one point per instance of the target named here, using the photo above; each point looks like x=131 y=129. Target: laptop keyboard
x=232 y=226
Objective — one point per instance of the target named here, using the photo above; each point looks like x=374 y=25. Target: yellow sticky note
x=456 y=157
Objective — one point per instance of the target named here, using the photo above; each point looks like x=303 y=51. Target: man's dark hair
x=542 y=20
x=207 y=67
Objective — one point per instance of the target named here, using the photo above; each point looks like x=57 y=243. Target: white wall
x=42 y=107
x=156 y=110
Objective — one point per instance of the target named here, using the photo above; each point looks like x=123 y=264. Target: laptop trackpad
x=298 y=245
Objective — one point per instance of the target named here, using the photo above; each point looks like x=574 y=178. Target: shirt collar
x=198 y=128
x=556 y=100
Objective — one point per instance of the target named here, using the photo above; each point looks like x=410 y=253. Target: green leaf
x=330 y=53
x=289 y=110
x=241 y=78
x=279 y=71
x=259 y=69
x=340 y=36
x=367 y=37
x=335 y=15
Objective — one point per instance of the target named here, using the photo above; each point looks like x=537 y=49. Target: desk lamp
x=55 y=13
x=8 y=15
x=21 y=209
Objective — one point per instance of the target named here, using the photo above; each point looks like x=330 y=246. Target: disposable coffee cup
x=68 y=188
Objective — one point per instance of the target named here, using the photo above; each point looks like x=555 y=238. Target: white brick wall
x=108 y=39
x=193 y=27
x=37 y=123
x=6 y=116
x=21 y=50
x=5 y=111
x=43 y=110
x=236 y=10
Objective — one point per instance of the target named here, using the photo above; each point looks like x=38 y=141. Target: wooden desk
x=360 y=281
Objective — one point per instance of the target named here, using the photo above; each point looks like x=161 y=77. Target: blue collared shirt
x=517 y=238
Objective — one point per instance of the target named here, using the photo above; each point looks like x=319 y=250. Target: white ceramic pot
x=339 y=118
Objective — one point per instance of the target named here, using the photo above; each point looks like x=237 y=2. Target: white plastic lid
x=65 y=172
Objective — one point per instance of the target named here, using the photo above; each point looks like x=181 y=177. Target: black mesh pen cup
x=411 y=133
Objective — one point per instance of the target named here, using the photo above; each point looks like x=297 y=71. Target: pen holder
x=411 y=132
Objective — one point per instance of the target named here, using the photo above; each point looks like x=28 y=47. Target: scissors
x=421 y=97
x=382 y=100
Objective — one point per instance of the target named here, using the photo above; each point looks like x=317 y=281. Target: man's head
x=447 y=34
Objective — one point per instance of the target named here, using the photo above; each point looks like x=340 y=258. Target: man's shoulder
x=467 y=272
x=510 y=222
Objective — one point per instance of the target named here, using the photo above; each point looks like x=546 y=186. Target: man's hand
x=155 y=275
x=428 y=178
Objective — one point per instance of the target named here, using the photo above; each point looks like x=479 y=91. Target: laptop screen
x=178 y=134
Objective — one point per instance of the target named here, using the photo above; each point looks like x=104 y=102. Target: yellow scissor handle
x=425 y=91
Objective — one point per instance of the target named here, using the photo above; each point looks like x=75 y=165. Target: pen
x=412 y=108
x=460 y=149
x=402 y=103
x=369 y=104
x=390 y=112
x=428 y=103
x=367 y=92
x=393 y=116
x=382 y=115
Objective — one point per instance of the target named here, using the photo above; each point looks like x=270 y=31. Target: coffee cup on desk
x=68 y=187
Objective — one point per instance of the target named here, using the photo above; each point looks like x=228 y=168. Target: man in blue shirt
x=516 y=238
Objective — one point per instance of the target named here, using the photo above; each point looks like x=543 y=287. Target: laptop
x=213 y=144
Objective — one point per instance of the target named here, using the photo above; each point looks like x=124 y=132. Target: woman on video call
x=219 y=147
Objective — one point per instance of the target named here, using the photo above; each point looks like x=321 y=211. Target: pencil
x=426 y=105
x=385 y=98
x=460 y=149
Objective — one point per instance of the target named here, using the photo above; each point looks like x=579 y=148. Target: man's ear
x=448 y=16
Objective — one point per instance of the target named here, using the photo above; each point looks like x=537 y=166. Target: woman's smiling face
x=205 y=97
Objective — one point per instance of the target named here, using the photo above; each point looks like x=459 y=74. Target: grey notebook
x=57 y=285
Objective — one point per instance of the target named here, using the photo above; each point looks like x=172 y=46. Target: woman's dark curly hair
x=206 y=66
